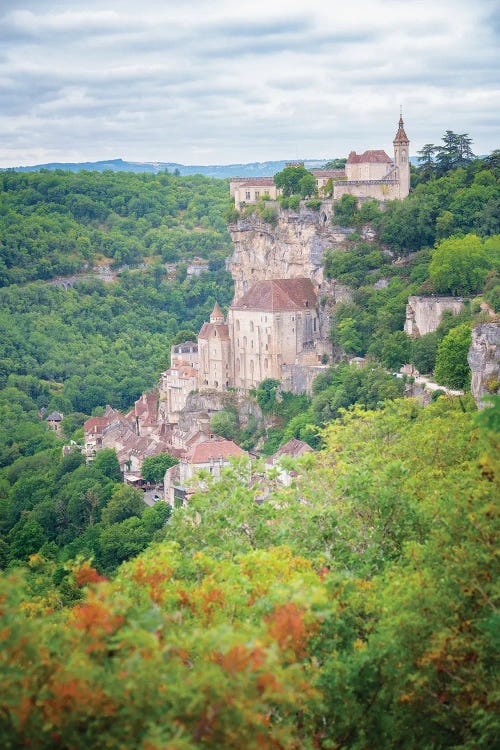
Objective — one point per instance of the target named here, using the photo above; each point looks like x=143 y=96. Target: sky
x=219 y=82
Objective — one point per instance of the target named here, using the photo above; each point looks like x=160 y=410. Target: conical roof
x=217 y=315
x=401 y=136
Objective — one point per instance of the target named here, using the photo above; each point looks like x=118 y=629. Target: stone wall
x=484 y=360
x=299 y=378
x=424 y=314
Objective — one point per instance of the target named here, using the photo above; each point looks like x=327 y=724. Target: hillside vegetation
x=355 y=609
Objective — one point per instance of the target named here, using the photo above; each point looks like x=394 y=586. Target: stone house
x=247 y=190
x=210 y=455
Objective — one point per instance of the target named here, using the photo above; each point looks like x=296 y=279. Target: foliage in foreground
x=354 y=610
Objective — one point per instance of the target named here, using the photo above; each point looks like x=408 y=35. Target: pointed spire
x=401 y=136
x=217 y=315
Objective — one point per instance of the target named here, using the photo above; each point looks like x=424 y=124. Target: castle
x=372 y=174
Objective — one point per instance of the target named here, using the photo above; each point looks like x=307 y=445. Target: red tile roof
x=294 y=448
x=278 y=295
x=369 y=157
x=208 y=330
x=214 y=449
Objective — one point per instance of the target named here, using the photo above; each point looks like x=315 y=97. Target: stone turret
x=402 y=158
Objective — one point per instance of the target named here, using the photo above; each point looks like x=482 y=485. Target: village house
x=212 y=456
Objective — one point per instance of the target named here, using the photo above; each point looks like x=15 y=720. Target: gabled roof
x=55 y=416
x=294 y=448
x=214 y=449
x=369 y=157
x=278 y=295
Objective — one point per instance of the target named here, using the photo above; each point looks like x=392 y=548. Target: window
x=251 y=326
x=247 y=195
x=257 y=194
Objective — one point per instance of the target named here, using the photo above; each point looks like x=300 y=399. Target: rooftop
x=369 y=157
x=278 y=295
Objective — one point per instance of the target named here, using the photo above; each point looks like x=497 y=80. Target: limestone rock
x=424 y=314
x=484 y=360
x=293 y=248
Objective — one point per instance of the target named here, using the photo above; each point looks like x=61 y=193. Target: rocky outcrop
x=293 y=248
x=484 y=360
x=424 y=314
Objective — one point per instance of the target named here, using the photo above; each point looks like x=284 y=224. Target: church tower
x=402 y=158
x=214 y=353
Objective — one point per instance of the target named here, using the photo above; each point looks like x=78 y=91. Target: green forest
x=355 y=608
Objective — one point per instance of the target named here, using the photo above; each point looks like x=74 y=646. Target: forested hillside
x=57 y=223
x=354 y=610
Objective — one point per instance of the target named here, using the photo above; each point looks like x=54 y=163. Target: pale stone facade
x=214 y=353
x=374 y=174
x=246 y=190
x=276 y=323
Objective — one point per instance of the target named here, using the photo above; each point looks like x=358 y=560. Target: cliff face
x=292 y=248
x=424 y=314
x=484 y=360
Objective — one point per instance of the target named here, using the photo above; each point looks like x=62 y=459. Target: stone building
x=178 y=381
x=275 y=323
x=214 y=353
x=247 y=190
x=374 y=174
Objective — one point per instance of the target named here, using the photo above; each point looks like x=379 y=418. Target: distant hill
x=254 y=169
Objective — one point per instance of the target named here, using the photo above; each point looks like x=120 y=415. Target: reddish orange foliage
x=96 y=620
x=87 y=574
x=239 y=658
x=153 y=579
x=287 y=627
x=74 y=696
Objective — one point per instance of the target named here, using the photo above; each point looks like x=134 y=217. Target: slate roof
x=56 y=416
x=278 y=295
x=327 y=173
x=369 y=157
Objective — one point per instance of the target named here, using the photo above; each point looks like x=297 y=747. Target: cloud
x=214 y=80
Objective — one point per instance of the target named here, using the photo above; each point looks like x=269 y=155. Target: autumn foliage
x=375 y=626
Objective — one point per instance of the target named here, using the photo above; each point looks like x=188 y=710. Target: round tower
x=402 y=158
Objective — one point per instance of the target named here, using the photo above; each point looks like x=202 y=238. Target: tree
x=295 y=181
x=459 y=265
x=124 y=503
x=106 y=462
x=154 y=467
x=225 y=423
x=452 y=368
x=345 y=211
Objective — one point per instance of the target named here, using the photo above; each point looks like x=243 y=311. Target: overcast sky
x=216 y=81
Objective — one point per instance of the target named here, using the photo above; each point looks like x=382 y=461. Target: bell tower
x=402 y=158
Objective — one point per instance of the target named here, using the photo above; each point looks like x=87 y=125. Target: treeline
x=56 y=223
x=355 y=608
